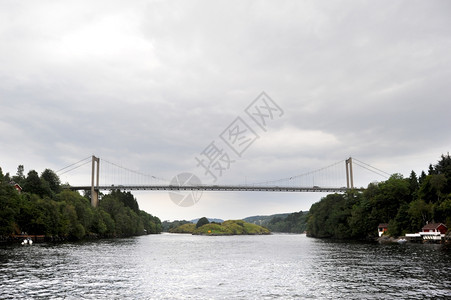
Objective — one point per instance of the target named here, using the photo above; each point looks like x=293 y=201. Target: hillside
x=263 y=220
x=289 y=222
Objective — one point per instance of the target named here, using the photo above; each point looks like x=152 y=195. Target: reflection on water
x=186 y=266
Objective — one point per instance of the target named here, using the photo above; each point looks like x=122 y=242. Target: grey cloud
x=153 y=83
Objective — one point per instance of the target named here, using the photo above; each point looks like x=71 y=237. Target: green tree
x=362 y=222
x=444 y=211
x=413 y=185
x=444 y=167
x=20 y=177
x=52 y=179
x=33 y=184
x=391 y=194
x=329 y=217
x=420 y=212
x=127 y=199
x=202 y=221
x=9 y=209
x=401 y=224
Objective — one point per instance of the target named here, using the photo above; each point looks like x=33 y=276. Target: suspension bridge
x=312 y=181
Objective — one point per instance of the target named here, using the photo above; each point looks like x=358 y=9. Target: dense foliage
x=264 y=220
x=292 y=223
x=44 y=207
x=406 y=204
x=202 y=221
x=184 y=228
x=168 y=225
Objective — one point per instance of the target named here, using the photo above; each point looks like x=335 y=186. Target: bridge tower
x=349 y=176
x=95 y=188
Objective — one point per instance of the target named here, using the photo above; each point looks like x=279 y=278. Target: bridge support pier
x=349 y=176
x=95 y=188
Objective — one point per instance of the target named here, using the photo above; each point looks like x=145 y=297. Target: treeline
x=45 y=207
x=406 y=204
x=293 y=223
x=167 y=226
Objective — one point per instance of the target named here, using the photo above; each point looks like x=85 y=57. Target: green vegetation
x=406 y=204
x=264 y=220
x=231 y=227
x=202 y=221
x=45 y=208
x=185 y=228
x=288 y=223
x=167 y=226
x=293 y=223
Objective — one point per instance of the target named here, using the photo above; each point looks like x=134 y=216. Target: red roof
x=383 y=225
x=433 y=226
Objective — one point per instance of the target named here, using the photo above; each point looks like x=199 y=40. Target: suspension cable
x=74 y=168
x=364 y=167
x=300 y=175
x=73 y=164
x=379 y=170
x=134 y=171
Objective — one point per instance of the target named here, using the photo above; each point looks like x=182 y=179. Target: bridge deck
x=214 y=188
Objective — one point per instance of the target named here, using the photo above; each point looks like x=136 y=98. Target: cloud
x=150 y=85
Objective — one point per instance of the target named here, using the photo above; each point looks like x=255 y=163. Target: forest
x=293 y=223
x=406 y=204
x=40 y=205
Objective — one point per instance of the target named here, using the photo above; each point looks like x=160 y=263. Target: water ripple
x=252 y=267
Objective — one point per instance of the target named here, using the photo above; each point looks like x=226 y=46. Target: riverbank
x=19 y=238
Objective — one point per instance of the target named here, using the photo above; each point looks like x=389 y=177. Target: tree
x=52 y=179
x=444 y=165
x=329 y=217
x=202 y=221
x=422 y=178
x=420 y=212
x=293 y=223
x=121 y=207
x=401 y=223
x=9 y=209
x=20 y=170
x=20 y=177
x=413 y=184
x=431 y=170
x=32 y=184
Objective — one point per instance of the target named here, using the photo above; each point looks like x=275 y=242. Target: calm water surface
x=173 y=266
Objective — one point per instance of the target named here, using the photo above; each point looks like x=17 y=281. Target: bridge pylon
x=349 y=175
x=95 y=188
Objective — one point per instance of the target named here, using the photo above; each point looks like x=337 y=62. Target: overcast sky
x=149 y=85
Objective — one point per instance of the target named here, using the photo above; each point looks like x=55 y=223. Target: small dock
x=426 y=237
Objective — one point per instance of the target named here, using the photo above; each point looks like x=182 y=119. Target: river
x=176 y=266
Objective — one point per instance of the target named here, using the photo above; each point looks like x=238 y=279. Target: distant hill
x=209 y=220
x=290 y=222
x=168 y=225
x=264 y=220
x=286 y=222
